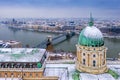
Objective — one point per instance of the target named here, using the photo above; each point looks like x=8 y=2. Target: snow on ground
x=86 y=76
x=115 y=68
x=118 y=70
x=59 y=69
x=70 y=68
x=10 y=79
x=60 y=72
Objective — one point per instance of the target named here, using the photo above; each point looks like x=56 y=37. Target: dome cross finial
x=91 y=23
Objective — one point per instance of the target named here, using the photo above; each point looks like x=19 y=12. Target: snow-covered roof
x=10 y=79
x=21 y=54
x=57 y=69
x=91 y=36
x=92 y=32
x=60 y=70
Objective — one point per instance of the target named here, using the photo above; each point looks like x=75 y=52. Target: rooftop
x=10 y=79
x=65 y=72
x=21 y=54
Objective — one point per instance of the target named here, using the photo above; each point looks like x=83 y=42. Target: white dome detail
x=92 y=32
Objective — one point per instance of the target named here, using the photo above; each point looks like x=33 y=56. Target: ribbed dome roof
x=91 y=36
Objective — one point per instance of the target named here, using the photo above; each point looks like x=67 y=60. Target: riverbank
x=33 y=38
x=58 y=31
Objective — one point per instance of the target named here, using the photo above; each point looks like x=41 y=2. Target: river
x=34 y=38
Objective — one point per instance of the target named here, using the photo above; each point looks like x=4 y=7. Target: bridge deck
x=55 y=40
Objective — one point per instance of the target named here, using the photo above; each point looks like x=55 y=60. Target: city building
x=14 y=44
x=91 y=52
x=23 y=64
x=10 y=44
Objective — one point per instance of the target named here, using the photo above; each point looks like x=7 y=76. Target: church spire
x=91 y=23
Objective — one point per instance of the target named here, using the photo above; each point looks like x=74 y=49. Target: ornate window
x=83 y=47
x=18 y=75
x=30 y=65
x=36 y=74
x=94 y=55
x=12 y=65
x=6 y=65
x=83 y=54
x=30 y=74
x=24 y=65
x=18 y=65
x=88 y=59
x=104 y=54
x=5 y=74
x=94 y=63
x=103 y=62
x=11 y=73
x=83 y=61
x=24 y=74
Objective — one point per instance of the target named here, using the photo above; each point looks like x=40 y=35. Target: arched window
x=83 y=54
x=24 y=65
x=6 y=65
x=5 y=74
x=94 y=55
x=103 y=62
x=30 y=65
x=18 y=65
x=36 y=75
x=83 y=47
x=94 y=63
x=11 y=73
x=12 y=65
x=88 y=59
x=30 y=74
x=18 y=75
x=83 y=61
x=24 y=74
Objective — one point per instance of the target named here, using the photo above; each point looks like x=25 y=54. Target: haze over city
x=59 y=8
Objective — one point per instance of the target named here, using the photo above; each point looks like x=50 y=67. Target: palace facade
x=23 y=64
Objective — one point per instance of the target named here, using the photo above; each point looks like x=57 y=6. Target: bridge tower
x=49 y=44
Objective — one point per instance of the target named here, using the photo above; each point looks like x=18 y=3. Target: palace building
x=91 y=52
x=23 y=64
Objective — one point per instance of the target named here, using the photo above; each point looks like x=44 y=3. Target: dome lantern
x=91 y=22
x=91 y=36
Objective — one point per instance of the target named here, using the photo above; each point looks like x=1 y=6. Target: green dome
x=39 y=65
x=91 y=36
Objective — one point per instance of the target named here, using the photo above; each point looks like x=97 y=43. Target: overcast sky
x=59 y=8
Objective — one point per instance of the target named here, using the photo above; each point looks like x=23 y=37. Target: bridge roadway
x=56 y=40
